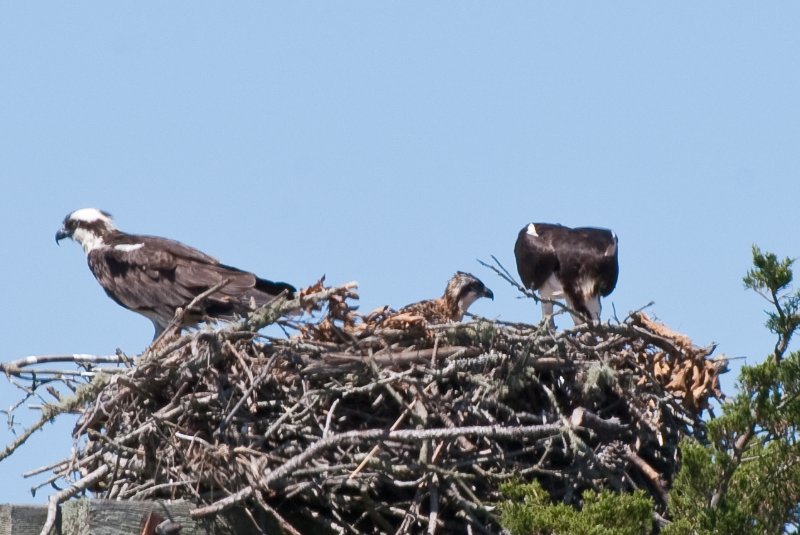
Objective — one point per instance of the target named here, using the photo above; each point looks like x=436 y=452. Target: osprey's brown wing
x=535 y=256
x=591 y=255
x=155 y=276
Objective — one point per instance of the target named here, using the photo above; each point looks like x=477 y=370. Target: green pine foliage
x=692 y=492
x=772 y=278
x=747 y=478
x=529 y=511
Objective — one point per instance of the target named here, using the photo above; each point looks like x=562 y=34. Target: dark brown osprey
x=155 y=276
x=576 y=264
x=462 y=290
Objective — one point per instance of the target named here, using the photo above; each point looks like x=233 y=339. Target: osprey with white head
x=155 y=276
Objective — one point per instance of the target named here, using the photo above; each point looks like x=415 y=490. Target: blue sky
x=393 y=144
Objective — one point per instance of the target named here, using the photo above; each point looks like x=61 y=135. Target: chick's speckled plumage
x=462 y=290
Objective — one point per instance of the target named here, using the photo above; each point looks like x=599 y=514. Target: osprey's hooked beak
x=61 y=234
x=488 y=293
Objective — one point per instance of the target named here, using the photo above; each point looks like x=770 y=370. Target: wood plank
x=23 y=519
x=111 y=517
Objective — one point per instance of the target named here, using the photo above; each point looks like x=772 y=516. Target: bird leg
x=547 y=314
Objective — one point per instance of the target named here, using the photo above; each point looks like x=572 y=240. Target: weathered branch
x=60 y=497
x=15 y=367
x=51 y=411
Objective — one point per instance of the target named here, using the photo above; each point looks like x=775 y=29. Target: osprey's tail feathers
x=275 y=288
x=230 y=305
x=241 y=285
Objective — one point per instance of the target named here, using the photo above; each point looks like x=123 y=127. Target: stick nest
x=384 y=424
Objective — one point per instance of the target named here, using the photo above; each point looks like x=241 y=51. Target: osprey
x=462 y=290
x=155 y=276
x=576 y=264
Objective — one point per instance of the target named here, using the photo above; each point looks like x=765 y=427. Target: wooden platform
x=109 y=517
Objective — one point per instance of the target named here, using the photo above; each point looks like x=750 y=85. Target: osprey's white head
x=86 y=226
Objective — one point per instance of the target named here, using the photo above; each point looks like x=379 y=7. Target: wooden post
x=111 y=517
x=23 y=519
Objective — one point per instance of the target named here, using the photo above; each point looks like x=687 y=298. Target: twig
x=15 y=367
x=325 y=431
x=176 y=322
x=374 y=450
x=60 y=497
x=51 y=411
x=285 y=526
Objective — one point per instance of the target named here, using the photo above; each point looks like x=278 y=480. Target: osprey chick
x=576 y=264
x=155 y=276
x=462 y=290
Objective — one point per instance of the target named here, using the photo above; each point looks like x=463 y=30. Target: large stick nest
x=365 y=425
